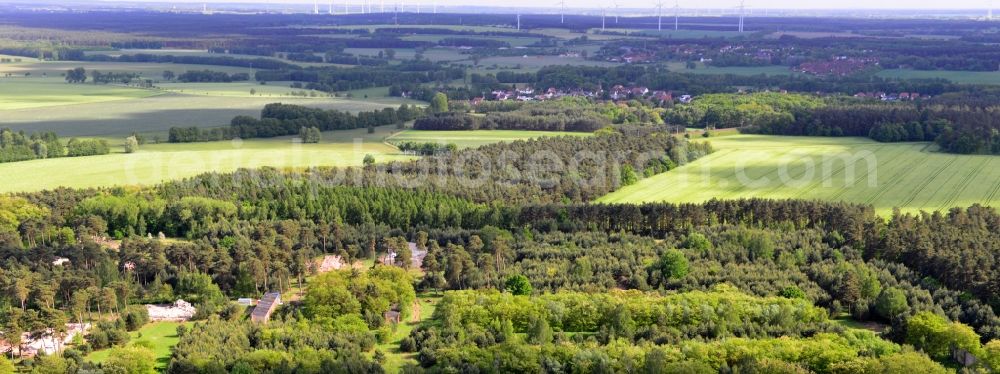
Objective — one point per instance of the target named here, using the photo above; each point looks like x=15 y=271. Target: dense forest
x=533 y=276
x=814 y=260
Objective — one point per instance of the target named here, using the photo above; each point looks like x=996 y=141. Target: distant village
x=618 y=92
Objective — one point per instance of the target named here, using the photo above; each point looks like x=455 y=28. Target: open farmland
x=887 y=175
x=170 y=161
x=161 y=162
x=701 y=68
x=30 y=93
x=32 y=105
x=963 y=77
x=149 y=70
x=473 y=138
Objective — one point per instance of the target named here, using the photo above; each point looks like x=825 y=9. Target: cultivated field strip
x=910 y=176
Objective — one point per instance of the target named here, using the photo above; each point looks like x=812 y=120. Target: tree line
x=286 y=119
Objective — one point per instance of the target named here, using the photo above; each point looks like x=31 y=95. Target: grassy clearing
x=903 y=175
x=963 y=77
x=394 y=359
x=160 y=336
x=474 y=138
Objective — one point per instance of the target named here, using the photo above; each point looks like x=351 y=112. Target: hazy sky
x=823 y=4
x=716 y=4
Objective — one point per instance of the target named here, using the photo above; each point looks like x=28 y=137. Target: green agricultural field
x=473 y=138
x=149 y=70
x=735 y=70
x=965 y=77
x=156 y=163
x=191 y=104
x=160 y=336
x=190 y=52
x=537 y=62
x=680 y=34
x=32 y=93
x=238 y=89
x=887 y=175
x=513 y=41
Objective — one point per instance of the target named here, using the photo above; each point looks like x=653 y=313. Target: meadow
x=909 y=176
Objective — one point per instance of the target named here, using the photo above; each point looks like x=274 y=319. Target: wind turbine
x=603 y=14
x=381 y=6
x=677 y=15
x=518 y=21
x=315 y=6
x=330 y=10
x=743 y=7
x=989 y=11
x=562 y=11
x=659 y=15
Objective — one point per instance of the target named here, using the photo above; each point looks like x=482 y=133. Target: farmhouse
x=262 y=312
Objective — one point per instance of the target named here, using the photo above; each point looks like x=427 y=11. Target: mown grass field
x=161 y=337
x=905 y=175
x=964 y=77
x=475 y=138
